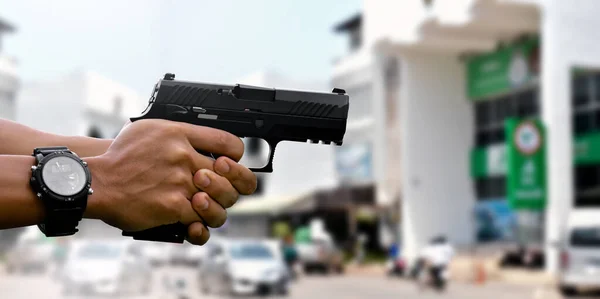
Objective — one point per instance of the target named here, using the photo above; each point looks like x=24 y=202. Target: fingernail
x=223 y=167
x=203 y=205
x=205 y=180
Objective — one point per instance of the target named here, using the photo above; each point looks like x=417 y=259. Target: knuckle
x=180 y=178
x=171 y=207
x=222 y=139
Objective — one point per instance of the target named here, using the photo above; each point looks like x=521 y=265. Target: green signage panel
x=478 y=162
x=503 y=70
x=587 y=149
x=526 y=157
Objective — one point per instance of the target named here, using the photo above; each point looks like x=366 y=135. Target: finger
x=242 y=179
x=214 y=141
x=217 y=187
x=187 y=214
x=200 y=161
x=213 y=213
x=197 y=233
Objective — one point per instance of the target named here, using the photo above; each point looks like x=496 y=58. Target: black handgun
x=273 y=115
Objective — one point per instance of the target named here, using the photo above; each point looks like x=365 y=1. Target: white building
x=79 y=103
x=9 y=79
x=447 y=112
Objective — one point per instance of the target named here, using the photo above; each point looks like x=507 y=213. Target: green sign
x=526 y=157
x=489 y=161
x=587 y=149
x=503 y=70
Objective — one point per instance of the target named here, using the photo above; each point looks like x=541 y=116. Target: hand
x=151 y=175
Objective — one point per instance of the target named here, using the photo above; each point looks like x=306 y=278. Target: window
x=585 y=100
x=586 y=180
x=491 y=187
x=490 y=115
x=586 y=237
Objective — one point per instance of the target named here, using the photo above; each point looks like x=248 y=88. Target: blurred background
x=475 y=120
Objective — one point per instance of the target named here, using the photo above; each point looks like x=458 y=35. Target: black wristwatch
x=62 y=181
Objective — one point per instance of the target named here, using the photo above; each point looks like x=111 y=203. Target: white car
x=32 y=252
x=157 y=253
x=107 y=268
x=186 y=254
x=580 y=256
x=243 y=267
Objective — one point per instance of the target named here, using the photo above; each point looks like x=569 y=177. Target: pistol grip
x=172 y=233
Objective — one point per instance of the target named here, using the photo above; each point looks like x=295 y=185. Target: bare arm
x=19 y=205
x=17 y=139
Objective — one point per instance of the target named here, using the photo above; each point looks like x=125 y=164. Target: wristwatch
x=62 y=181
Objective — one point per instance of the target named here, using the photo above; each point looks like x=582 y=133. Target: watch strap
x=59 y=221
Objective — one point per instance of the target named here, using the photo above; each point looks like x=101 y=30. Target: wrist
x=96 y=202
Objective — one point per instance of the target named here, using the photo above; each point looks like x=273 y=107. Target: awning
x=489 y=22
x=273 y=205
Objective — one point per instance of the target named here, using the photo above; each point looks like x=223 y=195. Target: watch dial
x=64 y=176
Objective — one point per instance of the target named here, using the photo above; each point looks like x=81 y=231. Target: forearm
x=19 y=204
x=17 y=139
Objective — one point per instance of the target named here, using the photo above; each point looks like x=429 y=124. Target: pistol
x=273 y=115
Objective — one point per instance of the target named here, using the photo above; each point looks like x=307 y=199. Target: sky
x=135 y=42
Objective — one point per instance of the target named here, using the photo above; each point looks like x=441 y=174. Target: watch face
x=64 y=176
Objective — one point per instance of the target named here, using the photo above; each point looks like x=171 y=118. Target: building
x=464 y=69
x=9 y=79
x=372 y=140
x=9 y=86
x=82 y=103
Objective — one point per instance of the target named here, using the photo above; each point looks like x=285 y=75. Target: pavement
x=349 y=286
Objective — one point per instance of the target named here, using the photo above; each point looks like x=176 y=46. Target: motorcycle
x=395 y=267
x=433 y=277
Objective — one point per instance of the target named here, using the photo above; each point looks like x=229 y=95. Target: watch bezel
x=40 y=186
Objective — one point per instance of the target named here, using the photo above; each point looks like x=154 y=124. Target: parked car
x=32 y=253
x=580 y=256
x=106 y=267
x=243 y=267
x=320 y=255
x=186 y=254
x=156 y=253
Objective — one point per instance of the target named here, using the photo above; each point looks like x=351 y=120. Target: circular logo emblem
x=528 y=138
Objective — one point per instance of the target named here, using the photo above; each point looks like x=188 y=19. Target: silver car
x=580 y=256
x=243 y=267
x=106 y=267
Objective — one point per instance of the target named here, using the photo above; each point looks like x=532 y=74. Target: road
x=346 y=287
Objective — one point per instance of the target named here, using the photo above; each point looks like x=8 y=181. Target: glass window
x=583 y=122
x=596 y=82
x=491 y=187
x=527 y=103
x=481 y=138
x=581 y=91
x=586 y=237
x=481 y=113
x=250 y=251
